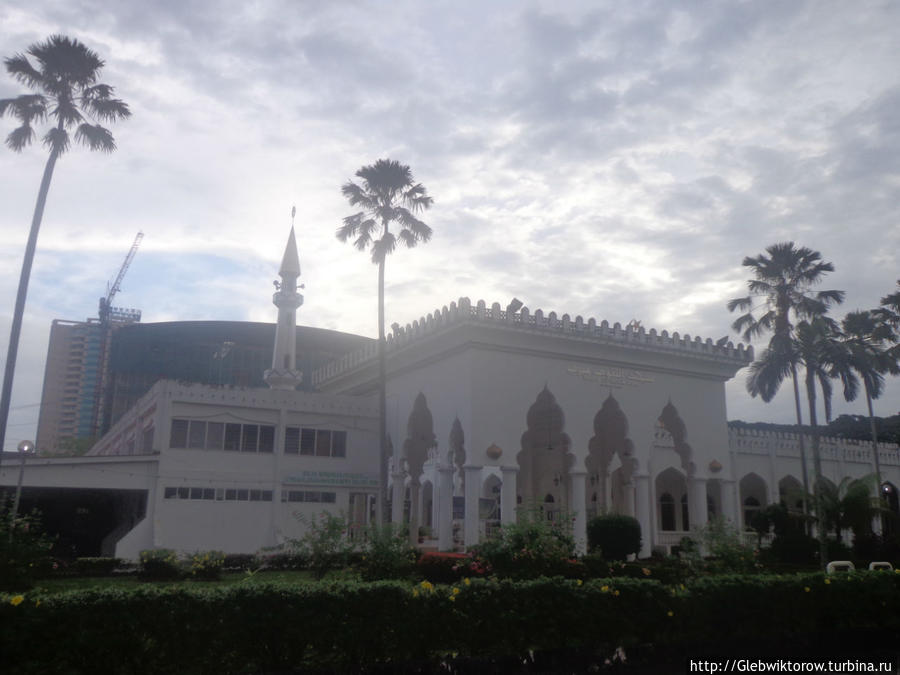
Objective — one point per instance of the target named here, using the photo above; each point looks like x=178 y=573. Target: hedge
x=263 y=627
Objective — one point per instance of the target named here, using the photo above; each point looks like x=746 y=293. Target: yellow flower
x=455 y=591
x=427 y=585
x=452 y=598
x=616 y=592
x=682 y=586
x=645 y=571
x=605 y=589
x=806 y=589
x=415 y=593
x=17 y=600
x=670 y=613
x=467 y=581
x=37 y=603
x=578 y=582
x=828 y=581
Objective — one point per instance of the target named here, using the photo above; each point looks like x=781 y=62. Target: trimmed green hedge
x=260 y=627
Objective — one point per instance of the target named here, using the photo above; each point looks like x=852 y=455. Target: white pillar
x=398 y=496
x=628 y=497
x=444 y=520
x=642 y=513
x=414 y=511
x=508 y=500
x=729 y=502
x=577 y=508
x=473 y=493
x=697 y=507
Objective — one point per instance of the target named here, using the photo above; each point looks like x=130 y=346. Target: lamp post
x=25 y=448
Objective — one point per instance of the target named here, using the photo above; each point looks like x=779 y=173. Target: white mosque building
x=488 y=410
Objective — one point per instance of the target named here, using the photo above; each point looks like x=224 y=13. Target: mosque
x=489 y=410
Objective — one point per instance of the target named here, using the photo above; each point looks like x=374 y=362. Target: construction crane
x=106 y=315
x=106 y=303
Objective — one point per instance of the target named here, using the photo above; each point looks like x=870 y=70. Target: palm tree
x=817 y=348
x=387 y=194
x=868 y=342
x=782 y=287
x=67 y=92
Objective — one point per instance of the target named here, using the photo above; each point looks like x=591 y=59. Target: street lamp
x=25 y=448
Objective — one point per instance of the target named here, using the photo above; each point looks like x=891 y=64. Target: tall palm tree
x=869 y=345
x=387 y=194
x=67 y=92
x=782 y=288
x=817 y=347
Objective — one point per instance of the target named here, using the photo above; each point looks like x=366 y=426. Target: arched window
x=685 y=516
x=751 y=506
x=666 y=512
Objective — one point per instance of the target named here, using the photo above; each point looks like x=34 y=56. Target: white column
x=628 y=497
x=444 y=520
x=642 y=513
x=577 y=508
x=473 y=493
x=414 y=510
x=697 y=508
x=508 y=501
x=603 y=492
x=729 y=502
x=399 y=492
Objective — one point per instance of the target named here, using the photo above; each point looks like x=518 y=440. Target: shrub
x=614 y=537
x=159 y=564
x=325 y=543
x=443 y=568
x=280 y=560
x=722 y=541
x=529 y=548
x=240 y=562
x=387 y=555
x=95 y=567
x=24 y=550
x=206 y=565
x=792 y=548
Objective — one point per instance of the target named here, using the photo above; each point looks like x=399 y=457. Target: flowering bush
x=206 y=565
x=532 y=547
x=159 y=564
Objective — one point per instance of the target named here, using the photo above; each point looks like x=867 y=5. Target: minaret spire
x=284 y=374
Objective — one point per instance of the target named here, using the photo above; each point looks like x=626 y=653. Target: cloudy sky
x=608 y=159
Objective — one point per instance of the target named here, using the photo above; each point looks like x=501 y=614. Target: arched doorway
x=610 y=442
x=545 y=460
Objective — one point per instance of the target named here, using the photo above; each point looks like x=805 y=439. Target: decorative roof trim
x=464 y=312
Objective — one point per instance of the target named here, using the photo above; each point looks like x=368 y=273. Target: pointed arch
x=754 y=496
x=457 y=455
x=790 y=493
x=544 y=460
x=671 y=512
x=671 y=421
x=611 y=439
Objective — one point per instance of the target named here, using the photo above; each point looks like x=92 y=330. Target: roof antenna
x=293 y=213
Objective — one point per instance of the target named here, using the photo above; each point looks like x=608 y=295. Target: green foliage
x=615 y=537
x=281 y=560
x=206 y=565
x=324 y=544
x=159 y=564
x=24 y=549
x=792 y=547
x=261 y=627
x=444 y=568
x=529 y=548
x=240 y=561
x=95 y=567
x=722 y=540
x=386 y=555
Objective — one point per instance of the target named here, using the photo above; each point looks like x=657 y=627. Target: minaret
x=284 y=374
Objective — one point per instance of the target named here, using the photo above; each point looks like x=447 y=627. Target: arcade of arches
x=459 y=498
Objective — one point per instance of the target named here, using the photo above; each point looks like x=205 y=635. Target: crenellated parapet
x=463 y=311
x=747 y=441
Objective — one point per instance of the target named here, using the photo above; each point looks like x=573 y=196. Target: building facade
x=489 y=412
